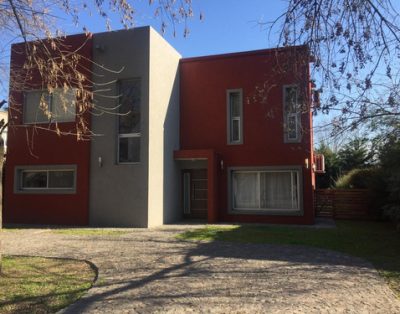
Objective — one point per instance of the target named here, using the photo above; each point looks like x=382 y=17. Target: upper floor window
x=292 y=114
x=42 y=107
x=235 y=116
x=129 y=118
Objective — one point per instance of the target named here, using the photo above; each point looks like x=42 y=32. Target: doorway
x=195 y=193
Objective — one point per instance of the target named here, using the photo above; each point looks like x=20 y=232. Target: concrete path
x=150 y=271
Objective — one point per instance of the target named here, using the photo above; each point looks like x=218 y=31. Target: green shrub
x=369 y=178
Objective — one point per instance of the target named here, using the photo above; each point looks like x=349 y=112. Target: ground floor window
x=45 y=179
x=265 y=190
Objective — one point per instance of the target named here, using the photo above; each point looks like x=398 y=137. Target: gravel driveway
x=150 y=271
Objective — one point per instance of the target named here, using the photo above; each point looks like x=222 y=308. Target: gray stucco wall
x=118 y=192
x=164 y=174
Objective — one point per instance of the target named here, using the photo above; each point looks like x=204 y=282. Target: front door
x=195 y=193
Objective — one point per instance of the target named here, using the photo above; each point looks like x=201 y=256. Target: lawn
x=42 y=285
x=376 y=242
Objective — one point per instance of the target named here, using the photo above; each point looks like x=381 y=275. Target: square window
x=129 y=149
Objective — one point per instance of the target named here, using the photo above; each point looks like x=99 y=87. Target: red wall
x=203 y=122
x=44 y=147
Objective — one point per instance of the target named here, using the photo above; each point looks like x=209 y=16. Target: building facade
x=219 y=138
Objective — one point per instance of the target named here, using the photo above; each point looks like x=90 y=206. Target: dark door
x=195 y=193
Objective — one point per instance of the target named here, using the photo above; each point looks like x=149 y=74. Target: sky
x=227 y=26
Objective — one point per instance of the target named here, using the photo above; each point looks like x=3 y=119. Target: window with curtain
x=265 y=190
x=129 y=126
x=42 y=107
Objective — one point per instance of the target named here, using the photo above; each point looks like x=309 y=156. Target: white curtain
x=276 y=190
x=265 y=190
x=245 y=190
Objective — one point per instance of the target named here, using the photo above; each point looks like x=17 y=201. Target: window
x=292 y=114
x=63 y=105
x=42 y=107
x=45 y=179
x=129 y=118
x=235 y=113
x=268 y=190
x=36 y=107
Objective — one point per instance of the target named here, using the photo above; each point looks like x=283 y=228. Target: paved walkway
x=150 y=271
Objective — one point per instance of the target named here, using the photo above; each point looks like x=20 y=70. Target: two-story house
x=220 y=138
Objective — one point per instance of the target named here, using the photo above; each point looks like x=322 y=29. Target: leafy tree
x=355 y=155
x=389 y=162
x=332 y=167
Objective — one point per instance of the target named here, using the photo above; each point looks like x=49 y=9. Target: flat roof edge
x=244 y=53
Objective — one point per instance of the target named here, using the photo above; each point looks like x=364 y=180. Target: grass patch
x=90 y=232
x=376 y=242
x=42 y=285
x=4 y=229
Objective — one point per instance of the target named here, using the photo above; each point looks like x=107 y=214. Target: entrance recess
x=195 y=193
x=199 y=189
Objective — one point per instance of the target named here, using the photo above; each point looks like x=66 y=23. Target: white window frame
x=288 y=115
x=129 y=135
x=50 y=109
x=294 y=170
x=20 y=170
x=230 y=118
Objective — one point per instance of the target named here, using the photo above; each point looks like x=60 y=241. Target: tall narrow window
x=292 y=114
x=129 y=132
x=235 y=116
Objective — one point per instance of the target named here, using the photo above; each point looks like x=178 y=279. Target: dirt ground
x=150 y=271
